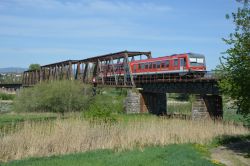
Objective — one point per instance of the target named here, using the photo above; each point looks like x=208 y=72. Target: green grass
x=5 y=106
x=182 y=108
x=10 y=118
x=181 y=155
x=228 y=139
x=9 y=121
x=5 y=96
x=231 y=115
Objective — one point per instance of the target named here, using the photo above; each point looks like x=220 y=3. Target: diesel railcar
x=190 y=65
x=178 y=64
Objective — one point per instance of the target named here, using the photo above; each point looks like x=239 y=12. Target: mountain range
x=12 y=70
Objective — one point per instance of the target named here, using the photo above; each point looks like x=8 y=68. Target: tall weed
x=56 y=96
x=78 y=135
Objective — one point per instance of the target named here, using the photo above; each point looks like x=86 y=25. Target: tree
x=236 y=65
x=34 y=67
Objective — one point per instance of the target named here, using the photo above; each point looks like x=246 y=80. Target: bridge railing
x=195 y=77
x=31 y=78
x=211 y=75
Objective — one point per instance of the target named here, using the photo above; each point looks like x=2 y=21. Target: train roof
x=154 y=59
x=192 y=55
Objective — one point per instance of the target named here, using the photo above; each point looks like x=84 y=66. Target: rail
x=209 y=76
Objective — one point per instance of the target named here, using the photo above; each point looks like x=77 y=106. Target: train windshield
x=196 y=59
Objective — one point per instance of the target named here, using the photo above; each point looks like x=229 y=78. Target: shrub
x=112 y=99
x=106 y=105
x=99 y=114
x=5 y=96
x=57 y=96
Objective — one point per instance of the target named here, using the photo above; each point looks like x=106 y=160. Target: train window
x=162 y=64
x=139 y=66
x=154 y=65
x=146 y=66
x=167 y=63
x=134 y=67
x=196 y=61
x=183 y=61
x=200 y=60
x=142 y=66
x=158 y=64
x=150 y=65
x=175 y=62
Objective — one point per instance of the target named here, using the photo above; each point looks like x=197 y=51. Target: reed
x=78 y=135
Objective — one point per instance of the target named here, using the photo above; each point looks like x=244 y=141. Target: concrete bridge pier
x=145 y=102
x=203 y=107
x=207 y=107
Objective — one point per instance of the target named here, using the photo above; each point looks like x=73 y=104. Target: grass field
x=9 y=118
x=63 y=136
x=6 y=101
x=179 y=107
x=75 y=139
x=181 y=155
x=5 y=106
x=6 y=96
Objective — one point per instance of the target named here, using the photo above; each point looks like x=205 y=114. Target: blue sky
x=47 y=31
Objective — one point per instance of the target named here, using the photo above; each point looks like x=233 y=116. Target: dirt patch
x=233 y=154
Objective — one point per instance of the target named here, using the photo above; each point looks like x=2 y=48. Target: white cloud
x=90 y=26
x=75 y=19
x=62 y=28
x=85 y=6
x=87 y=28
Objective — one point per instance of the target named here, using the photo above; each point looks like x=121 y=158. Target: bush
x=112 y=99
x=5 y=96
x=99 y=114
x=57 y=96
x=105 y=106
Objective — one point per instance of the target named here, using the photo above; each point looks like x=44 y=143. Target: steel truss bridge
x=152 y=86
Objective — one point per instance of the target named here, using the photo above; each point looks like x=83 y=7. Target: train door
x=134 y=68
x=175 y=64
x=182 y=64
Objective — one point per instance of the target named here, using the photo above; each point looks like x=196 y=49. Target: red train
x=188 y=64
x=175 y=64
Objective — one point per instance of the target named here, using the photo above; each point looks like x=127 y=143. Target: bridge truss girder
x=86 y=70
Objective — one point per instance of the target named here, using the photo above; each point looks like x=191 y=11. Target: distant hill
x=12 y=70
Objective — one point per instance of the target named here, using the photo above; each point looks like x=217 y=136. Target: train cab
x=196 y=62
